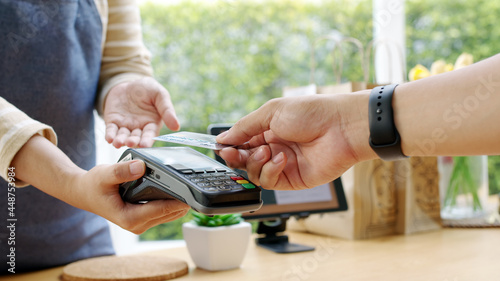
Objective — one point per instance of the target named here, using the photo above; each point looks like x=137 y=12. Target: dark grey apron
x=50 y=56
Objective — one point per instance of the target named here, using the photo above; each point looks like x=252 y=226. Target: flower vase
x=463 y=186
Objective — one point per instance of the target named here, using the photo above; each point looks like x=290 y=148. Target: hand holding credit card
x=193 y=139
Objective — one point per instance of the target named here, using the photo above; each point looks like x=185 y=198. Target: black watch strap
x=384 y=137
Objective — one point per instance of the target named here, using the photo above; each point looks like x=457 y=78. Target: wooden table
x=444 y=255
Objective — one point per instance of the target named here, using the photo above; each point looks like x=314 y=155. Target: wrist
x=384 y=137
x=43 y=165
x=74 y=191
x=354 y=118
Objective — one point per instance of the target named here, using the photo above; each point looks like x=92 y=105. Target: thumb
x=249 y=126
x=125 y=171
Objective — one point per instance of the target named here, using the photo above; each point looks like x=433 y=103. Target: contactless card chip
x=193 y=139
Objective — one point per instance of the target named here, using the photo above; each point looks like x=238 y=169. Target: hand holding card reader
x=184 y=174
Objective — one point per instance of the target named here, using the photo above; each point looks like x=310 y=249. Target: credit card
x=193 y=139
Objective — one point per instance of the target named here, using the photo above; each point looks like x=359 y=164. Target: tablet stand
x=277 y=243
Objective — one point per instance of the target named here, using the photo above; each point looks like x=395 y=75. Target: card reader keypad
x=212 y=180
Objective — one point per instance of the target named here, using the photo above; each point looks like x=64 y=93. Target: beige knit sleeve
x=16 y=128
x=125 y=58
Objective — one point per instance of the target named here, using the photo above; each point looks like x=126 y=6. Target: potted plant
x=217 y=242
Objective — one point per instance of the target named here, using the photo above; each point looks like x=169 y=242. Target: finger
x=141 y=217
x=166 y=109
x=251 y=125
x=253 y=143
x=161 y=209
x=231 y=156
x=149 y=131
x=121 y=136
x=235 y=158
x=111 y=130
x=168 y=218
x=271 y=176
x=256 y=162
x=134 y=138
x=123 y=172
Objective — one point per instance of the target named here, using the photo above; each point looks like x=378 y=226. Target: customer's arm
x=297 y=143
x=455 y=113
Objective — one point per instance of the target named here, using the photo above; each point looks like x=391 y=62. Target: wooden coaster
x=129 y=268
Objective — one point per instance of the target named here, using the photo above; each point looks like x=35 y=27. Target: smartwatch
x=384 y=137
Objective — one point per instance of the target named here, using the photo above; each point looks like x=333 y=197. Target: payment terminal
x=187 y=175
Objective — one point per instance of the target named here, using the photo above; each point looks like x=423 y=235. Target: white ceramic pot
x=217 y=248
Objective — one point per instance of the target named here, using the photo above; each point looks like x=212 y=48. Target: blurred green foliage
x=446 y=28
x=222 y=59
x=494 y=174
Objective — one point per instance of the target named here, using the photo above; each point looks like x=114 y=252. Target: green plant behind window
x=494 y=174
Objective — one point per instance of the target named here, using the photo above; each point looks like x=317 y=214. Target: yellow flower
x=440 y=66
x=464 y=60
x=418 y=72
